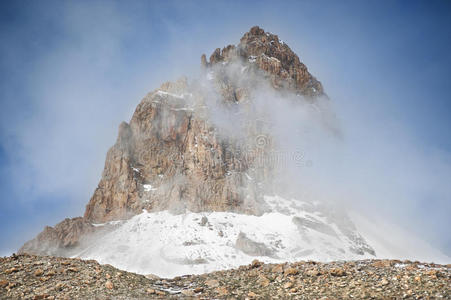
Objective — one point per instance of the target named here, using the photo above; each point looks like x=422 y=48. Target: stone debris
x=373 y=279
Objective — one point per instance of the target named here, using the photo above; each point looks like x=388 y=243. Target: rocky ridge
x=34 y=277
x=173 y=156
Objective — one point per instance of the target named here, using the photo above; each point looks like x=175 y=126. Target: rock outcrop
x=60 y=239
x=273 y=56
x=172 y=155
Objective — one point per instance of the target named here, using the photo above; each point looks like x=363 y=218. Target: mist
x=72 y=73
x=344 y=155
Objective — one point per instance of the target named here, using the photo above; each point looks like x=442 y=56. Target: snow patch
x=148 y=187
x=181 y=96
x=118 y=222
x=170 y=245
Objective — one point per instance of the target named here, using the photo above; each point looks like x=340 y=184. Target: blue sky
x=72 y=71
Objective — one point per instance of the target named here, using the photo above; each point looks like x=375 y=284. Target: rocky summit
x=34 y=277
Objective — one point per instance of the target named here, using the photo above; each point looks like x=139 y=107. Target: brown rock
x=188 y=293
x=291 y=271
x=38 y=272
x=277 y=269
x=222 y=291
x=252 y=294
x=278 y=60
x=337 y=272
x=203 y=61
x=212 y=283
x=11 y=270
x=59 y=286
x=152 y=276
x=382 y=263
x=216 y=56
x=256 y=263
x=264 y=282
x=109 y=285
x=312 y=272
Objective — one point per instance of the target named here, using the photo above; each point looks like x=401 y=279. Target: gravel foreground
x=46 y=277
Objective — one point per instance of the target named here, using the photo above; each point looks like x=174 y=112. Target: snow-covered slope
x=168 y=245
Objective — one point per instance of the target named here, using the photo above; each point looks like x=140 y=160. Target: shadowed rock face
x=171 y=155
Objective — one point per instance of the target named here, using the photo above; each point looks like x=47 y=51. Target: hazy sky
x=72 y=71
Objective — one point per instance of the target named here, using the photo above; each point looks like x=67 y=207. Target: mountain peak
x=200 y=146
x=274 y=57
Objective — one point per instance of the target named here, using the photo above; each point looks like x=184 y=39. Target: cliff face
x=169 y=157
x=173 y=155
